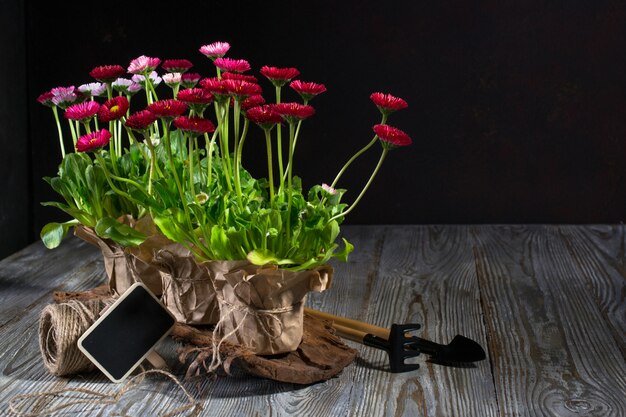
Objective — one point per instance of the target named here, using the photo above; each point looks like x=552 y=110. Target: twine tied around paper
x=216 y=359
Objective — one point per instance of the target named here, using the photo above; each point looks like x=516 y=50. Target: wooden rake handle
x=350 y=328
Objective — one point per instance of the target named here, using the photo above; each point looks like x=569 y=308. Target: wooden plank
x=552 y=352
x=14 y=159
x=426 y=276
x=599 y=253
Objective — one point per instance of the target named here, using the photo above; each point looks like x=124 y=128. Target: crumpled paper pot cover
x=125 y=266
x=261 y=307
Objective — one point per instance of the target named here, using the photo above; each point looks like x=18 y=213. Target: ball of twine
x=60 y=327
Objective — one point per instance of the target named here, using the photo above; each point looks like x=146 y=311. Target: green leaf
x=347 y=249
x=53 y=233
x=264 y=257
x=123 y=234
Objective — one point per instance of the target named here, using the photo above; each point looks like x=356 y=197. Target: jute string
x=21 y=405
x=60 y=327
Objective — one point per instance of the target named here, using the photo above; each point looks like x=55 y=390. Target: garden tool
x=399 y=346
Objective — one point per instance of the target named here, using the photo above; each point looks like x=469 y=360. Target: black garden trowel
x=401 y=346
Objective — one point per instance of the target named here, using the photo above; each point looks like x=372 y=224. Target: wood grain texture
x=552 y=352
x=546 y=301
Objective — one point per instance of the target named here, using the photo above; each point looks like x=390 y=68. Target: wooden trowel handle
x=351 y=324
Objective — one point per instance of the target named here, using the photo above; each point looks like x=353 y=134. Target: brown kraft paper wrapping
x=261 y=307
x=188 y=292
x=125 y=266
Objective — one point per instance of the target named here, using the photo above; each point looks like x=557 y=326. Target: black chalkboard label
x=126 y=333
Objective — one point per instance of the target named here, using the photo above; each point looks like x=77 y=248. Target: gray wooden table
x=547 y=303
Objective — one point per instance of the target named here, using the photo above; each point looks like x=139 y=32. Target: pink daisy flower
x=189 y=80
x=391 y=137
x=143 y=64
x=232 y=65
x=265 y=116
x=307 y=90
x=64 y=96
x=387 y=103
x=82 y=111
x=167 y=109
x=252 y=101
x=242 y=77
x=294 y=112
x=93 y=89
x=113 y=109
x=93 y=141
x=121 y=85
x=195 y=125
x=279 y=76
x=140 y=120
x=177 y=65
x=215 y=50
x=241 y=89
x=330 y=190
x=172 y=79
x=133 y=88
x=153 y=76
x=46 y=99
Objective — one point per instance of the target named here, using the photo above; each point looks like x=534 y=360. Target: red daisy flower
x=113 y=109
x=82 y=111
x=107 y=73
x=140 y=120
x=264 y=116
x=93 y=141
x=189 y=80
x=241 y=89
x=307 y=90
x=387 y=103
x=215 y=86
x=391 y=137
x=177 y=65
x=232 y=65
x=242 y=77
x=195 y=96
x=294 y=112
x=215 y=49
x=279 y=76
x=252 y=101
x=46 y=99
x=167 y=108
x=196 y=125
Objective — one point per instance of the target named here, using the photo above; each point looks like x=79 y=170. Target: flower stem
x=279 y=145
x=268 y=144
x=238 y=152
x=289 y=177
x=191 y=163
x=74 y=138
x=168 y=148
x=356 y=155
x=369 y=182
x=56 y=117
x=224 y=152
x=209 y=154
x=108 y=176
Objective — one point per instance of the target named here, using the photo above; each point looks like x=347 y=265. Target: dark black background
x=517 y=109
